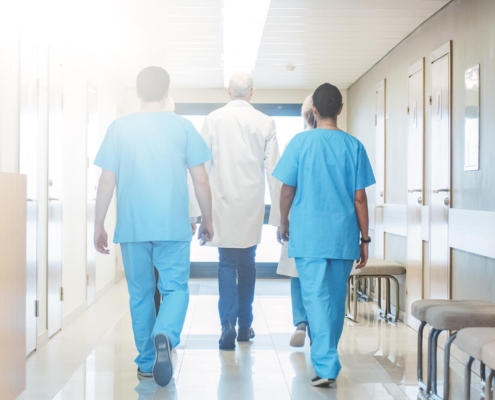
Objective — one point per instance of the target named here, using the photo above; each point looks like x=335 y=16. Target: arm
x=361 y=206
x=106 y=186
x=202 y=189
x=286 y=198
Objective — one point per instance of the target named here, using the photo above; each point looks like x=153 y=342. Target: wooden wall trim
x=472 y=231
x=395 y=219
x=425 y=223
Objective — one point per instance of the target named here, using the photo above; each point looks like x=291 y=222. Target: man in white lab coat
x=245 y=148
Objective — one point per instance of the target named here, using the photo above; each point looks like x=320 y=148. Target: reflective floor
x=93 y=357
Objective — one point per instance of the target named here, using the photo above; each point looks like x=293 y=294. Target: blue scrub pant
x=324 y=290
x=172 y=260
x=298 y=310
x=236 y=281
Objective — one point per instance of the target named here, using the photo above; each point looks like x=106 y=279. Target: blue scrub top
x=149 y=153
x=327 y=166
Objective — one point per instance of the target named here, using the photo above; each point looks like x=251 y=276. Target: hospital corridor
x=247 y=200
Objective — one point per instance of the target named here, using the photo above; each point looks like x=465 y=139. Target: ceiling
x=326 y=40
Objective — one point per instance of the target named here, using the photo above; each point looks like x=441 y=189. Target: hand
x=194 y=228
x=364 y=256
x=205 y=232
x=283 y=233
x=101 y=240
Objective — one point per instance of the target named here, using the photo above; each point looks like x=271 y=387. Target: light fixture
x=243 y=24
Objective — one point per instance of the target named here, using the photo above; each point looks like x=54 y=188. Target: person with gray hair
x=244 y=145
x=286 y=265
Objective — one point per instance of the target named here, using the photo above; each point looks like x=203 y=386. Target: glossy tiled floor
x=93 y=357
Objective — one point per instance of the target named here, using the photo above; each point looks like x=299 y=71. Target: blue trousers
x=298 y=310
x=171 y=259
x=236 y=280
x=324 y=290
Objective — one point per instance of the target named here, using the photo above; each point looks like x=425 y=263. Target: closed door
x=91 y=188
x=55 y=146
x=379 y=238
x=440 y=172
x=415 y=185
x=28 y=165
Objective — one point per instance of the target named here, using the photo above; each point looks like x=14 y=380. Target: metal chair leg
x=429 y=361
x=467 y=378
x=488 y=385
x=420 y=355
x=395 y=317
x=446 y=366
x=482 y=374
x=434 y=362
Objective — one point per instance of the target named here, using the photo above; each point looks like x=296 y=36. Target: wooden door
x=415 y=185
x=379 y=239
x=440 y=171
x=28 y=165
x=55 y=156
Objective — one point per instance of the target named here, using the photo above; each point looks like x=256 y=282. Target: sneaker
x=144 y=376
x=321 y=382
x=227 y=340
x=245 y=334
x=299 y=336
x=163 y=369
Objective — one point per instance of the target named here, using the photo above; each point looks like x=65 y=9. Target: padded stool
x=418 y=310
x=452 y=319
x=376 y=269
x=488 y=357
x=472 y=341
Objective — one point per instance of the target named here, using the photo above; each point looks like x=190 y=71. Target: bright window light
x=243 y=24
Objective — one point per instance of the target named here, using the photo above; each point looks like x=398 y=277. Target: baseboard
x=119 y=275
x=103 y=290
x=42 y=340
x=76 y=312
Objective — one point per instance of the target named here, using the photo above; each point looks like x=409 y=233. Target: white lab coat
x=194 y=210
x=244 y=146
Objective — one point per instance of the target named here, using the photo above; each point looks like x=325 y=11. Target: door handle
x=415 y=191
x=441 y=190
x=31 y=200
x=378 y=206
x=52 y=199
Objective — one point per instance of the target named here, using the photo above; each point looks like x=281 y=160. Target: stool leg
x=397 y=310
x=379 y=294
x=482 y=374
x=434 y=363
x=348 y=300
x=356 y=284
x=488 y=385
x=429 y=361
x=467 y=378
x=420 y=355
x=387 y=300
x=446 y=366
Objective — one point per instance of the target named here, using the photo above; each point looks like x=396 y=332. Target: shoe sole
x=245 y=339
x=163 y=369
x=142 y=377
x=323 y=383
x=297 y=339
x=230 y=338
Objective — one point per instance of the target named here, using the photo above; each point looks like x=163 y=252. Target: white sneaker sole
x=323 y=383
x=298 y=338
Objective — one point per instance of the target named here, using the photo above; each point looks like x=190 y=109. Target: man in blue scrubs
x=324 y=172
x=146 y=155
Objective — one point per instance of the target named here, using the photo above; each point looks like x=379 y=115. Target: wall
x=79 y=68
x=469 y=24
x=289 y=96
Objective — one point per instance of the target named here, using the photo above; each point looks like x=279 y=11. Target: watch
x=366 y=241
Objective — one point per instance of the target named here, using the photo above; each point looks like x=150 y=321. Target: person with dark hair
x=324 y=172
x=146 y=155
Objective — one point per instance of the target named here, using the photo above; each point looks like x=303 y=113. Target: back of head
x=307 y=112
x=327 y=99
x=240 y=85
x=152 y=84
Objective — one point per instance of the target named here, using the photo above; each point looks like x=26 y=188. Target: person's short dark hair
x=327 y=99
x=152 y=84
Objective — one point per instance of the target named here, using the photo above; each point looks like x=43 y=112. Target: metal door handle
x=30 y=200
x=378 y=206
x=441 y=190
x=52 y=199
x=415 y=191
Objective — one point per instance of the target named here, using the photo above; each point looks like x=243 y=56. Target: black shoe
x=163 y=369
x=245 y=334
x=321 y=382
x=227 y=340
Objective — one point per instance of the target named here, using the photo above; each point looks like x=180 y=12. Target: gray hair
x=240 y=85
x=307 y=112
